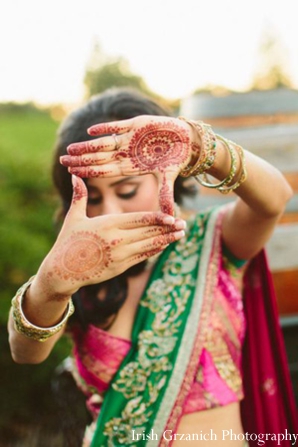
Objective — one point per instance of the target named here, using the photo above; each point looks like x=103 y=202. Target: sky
x=175 y=45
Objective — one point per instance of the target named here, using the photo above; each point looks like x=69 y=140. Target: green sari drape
x=147 y=393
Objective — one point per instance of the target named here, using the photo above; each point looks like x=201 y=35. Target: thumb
x=166 y=192
x=79 y=197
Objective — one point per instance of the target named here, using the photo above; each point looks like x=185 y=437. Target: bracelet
x=207 y=152
x=243 y=173
x=231 y=174
x=227 y=185
x=24 y=327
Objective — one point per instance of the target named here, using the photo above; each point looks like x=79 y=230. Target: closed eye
x=127 y=195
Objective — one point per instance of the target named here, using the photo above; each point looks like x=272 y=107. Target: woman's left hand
x=141 y=145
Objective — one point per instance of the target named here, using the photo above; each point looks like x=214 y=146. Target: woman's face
x=122 y=195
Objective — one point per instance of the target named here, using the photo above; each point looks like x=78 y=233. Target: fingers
x=146 y=249
x=79 y=198
x=97 y=158
x=166 y=192
x=104 y=144
x=149 y=232
x=108 y=170
x=116 y=127
x=137 y=220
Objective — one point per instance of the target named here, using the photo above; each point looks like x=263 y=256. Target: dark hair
x=114 y=104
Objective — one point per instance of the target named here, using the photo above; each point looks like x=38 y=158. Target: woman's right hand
x=93 y=250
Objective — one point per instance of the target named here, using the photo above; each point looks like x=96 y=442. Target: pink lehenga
x=269 y=405
x=156 y=378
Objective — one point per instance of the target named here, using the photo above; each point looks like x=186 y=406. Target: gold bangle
x=243 y=172
x=231 y=174
x=208 y=148
x=24 y=327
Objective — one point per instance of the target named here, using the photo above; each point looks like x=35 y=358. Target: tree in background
x=272 y=63
x=104 y=72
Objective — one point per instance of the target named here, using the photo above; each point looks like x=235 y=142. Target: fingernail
x=92 y=131
x=180 y=224
x=77 y=148
x=70 y=148
x=169 y=220
x=65 y=160
x=74 y=180
x=74 y=171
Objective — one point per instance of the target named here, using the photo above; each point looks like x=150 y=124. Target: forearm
x=250 y=221
x=265 y=191
x=25 y=350
x=41 y=309
x=262 y=190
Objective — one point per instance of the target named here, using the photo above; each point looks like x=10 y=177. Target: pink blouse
x=218 y=382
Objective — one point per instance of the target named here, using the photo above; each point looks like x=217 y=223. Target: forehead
x=102 y=183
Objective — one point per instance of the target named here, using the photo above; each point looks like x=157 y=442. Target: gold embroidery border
x=110 y=425
x=191 y=344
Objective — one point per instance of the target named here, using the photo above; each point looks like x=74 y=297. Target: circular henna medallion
x=83 y=256
x=158 y=145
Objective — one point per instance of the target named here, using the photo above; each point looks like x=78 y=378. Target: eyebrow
x=125 y=179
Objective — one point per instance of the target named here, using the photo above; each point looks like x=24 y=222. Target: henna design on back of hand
x=82 y=257
x=166 y=201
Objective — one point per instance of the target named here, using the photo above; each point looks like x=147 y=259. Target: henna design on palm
x=156 y=147
x=159 y=147
x=79 y=191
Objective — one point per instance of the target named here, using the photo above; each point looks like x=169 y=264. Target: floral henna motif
x=87 y=147
x=166 y=199
x=78 y=190
x=149 y=219
x=83 y=160
x=106 y=128
x=89 y=172
x=84 y=256
x=158 y=244
x=157 y=146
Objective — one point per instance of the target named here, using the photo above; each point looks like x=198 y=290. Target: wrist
x=203 y=148
x=229 y=167
x=30 y=329
x=222 y=163
x=46 y=289
x=42 y=304
x=49 y=287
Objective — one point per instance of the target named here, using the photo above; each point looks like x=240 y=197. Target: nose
x=110 y=206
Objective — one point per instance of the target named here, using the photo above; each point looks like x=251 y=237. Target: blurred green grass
x=27 y=232
x=27 y=198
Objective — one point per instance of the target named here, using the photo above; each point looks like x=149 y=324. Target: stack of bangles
x=207 y=155
x=29 y=330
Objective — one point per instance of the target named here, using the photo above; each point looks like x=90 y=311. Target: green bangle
x=204 y=181
x=207 y=152
x=29 y=330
